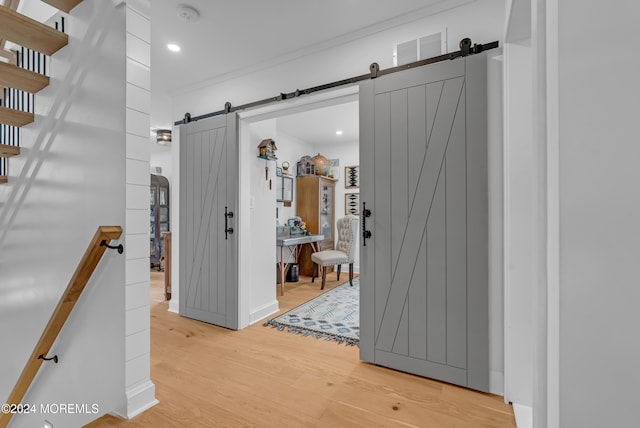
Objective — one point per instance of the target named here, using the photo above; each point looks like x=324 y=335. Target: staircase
x=25 y=72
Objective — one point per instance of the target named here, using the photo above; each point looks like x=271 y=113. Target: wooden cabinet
x=159 y=217
x=315 y=204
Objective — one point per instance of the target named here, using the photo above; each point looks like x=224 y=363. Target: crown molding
x=433 y=9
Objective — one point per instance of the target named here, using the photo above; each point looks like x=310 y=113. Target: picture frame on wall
x=352 y=203
x=278 y=171
x=352 y=177
x=334 y=169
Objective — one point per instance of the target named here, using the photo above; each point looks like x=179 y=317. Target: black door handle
x=366 y=234
x=227 y=230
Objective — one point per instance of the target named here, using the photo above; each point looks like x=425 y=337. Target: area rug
x=334 y=315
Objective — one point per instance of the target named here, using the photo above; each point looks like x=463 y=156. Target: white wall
x=599 y=208
x=520 y=230
x=164 y=159
x=174 y=219
x=290 y=149
x=139 y=390
x=69 y=179
x=496 y=219
x=259 y=249
x=586 y=315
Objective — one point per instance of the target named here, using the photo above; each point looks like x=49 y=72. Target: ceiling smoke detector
x=188 y=13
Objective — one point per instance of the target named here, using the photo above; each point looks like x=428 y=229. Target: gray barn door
x=423 y=157
x=208 y=190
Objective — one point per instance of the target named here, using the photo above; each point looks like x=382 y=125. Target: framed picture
x=352 y=177
x=352 y=203
x=278 y=171
x=334 y=168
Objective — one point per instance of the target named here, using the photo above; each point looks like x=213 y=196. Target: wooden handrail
x=83 y=272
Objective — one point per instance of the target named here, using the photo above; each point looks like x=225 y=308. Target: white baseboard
x=139 y=398
x=524 y=415
x=263 y=312
x=174 y=306
x=496 y=382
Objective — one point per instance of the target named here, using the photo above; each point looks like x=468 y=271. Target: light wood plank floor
x=207 y=376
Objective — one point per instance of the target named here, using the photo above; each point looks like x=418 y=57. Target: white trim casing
x=553 y=217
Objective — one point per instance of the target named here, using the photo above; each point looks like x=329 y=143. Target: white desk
x=292 y=244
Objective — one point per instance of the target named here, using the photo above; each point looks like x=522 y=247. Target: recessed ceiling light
x=173 y=47
x=338 y=132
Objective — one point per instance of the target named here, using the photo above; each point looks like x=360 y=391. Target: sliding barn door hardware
x=466 y=49
x=374 y=69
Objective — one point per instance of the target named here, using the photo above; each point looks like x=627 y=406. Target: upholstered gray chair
x=345 y=250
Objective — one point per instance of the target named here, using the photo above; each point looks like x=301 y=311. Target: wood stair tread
x=16 y=77
x=8 y=151
x=30 y=33
x=63 y=5
x=3 y=179
x=13 y=117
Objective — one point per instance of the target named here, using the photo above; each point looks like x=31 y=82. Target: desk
x=292 y=244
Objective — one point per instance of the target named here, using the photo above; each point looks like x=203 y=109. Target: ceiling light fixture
x=163 y=137
x=338 y=132
x=173 y=47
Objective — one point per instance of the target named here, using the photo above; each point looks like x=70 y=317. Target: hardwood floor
x=207 y=376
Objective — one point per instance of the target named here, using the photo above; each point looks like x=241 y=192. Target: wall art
x=352 y=203
x=352 y=177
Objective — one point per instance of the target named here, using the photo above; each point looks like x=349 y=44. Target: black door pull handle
x=366 y=234
x=227 y=230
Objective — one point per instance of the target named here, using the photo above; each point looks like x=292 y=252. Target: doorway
x=304 y=126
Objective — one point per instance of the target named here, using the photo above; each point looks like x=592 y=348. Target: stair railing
x=99 y=244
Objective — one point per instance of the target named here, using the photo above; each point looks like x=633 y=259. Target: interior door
x=423 y=156
x=208 y=204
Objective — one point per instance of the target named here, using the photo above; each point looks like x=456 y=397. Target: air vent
x=421 y=48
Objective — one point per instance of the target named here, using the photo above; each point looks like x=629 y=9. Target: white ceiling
x=233 y=37
x=318 y=127
x=238 y=36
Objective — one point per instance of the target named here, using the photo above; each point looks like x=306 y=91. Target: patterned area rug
x=334 y=315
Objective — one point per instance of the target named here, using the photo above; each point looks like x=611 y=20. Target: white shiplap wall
x=140 y=391
x=69 y=179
